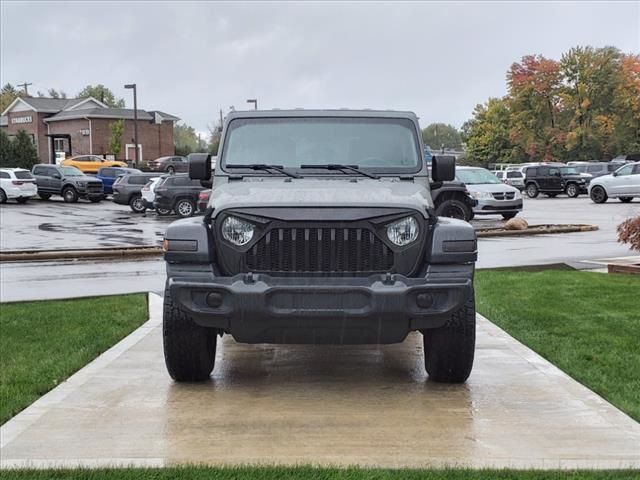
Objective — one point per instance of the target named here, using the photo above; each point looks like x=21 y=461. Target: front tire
x=70 y=195
x=626 y=199
x=598 y=194
x=185 y=208
x=453 y=208
x=3 y=196
x=22 y=199
x=572 y=190
x=96 y=199
x=532 y=190
x=509 y=216
x=44 y=196
x=137 y=204
x=163 y=212
x=449 y=350
x=189 y=349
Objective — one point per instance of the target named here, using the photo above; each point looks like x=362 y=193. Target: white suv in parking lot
x=624 y=184
x=18 y=184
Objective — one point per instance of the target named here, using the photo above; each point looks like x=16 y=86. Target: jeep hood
x=320 y=193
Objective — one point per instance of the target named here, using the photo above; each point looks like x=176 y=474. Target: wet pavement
x=365 y=405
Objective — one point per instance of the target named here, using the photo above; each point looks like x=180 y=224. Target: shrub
x=629 y=232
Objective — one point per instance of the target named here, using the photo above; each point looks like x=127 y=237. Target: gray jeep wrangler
x=320 y=229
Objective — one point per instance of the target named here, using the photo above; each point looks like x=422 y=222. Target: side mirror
x=57 y=175
x=199 y=166
x=443 y=168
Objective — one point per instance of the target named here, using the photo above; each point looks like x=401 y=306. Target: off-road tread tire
x=449 y=350
x=572 y=187
x=189 y=349
x=453 y=202
x=532 y=195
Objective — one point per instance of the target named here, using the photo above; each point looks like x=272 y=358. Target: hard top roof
x=342 y=112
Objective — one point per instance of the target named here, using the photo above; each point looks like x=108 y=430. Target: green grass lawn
x=308 y=473
x=43 y=343
x=588 y=324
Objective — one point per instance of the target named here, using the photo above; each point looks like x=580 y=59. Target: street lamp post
x=254 y=101
x=135 y=120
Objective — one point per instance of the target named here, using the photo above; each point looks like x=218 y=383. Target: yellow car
x=91 y=163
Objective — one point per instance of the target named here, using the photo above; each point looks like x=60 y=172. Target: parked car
x=203 y=200
x=108 y=175
x=149 y=195
x=90 y=163
x=596 y=169
x=514 y=177
x=178 y=193
x=169 y=164
x=624 y=184
x=68 y=182
x=17 y=184
x=493 y=196
x=554 y=180
x=127 y=189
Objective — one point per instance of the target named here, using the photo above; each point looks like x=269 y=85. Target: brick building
x=82 y=126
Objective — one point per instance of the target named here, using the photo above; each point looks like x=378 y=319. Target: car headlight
x=479 y=194
x=518 y=195
x=81 y=184
x=237 y=231
x=403 y=232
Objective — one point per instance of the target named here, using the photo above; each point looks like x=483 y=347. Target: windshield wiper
x=342 y=168
x=265 y=167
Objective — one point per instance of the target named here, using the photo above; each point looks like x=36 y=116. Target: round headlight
x=237 y=231
x=403 y=232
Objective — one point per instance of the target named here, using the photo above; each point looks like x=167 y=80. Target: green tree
x=23 y=151
x=7 y=95
x=6 y=150
x=115 y=140
x=53 y=93
x=185 y=139
x=626 y=123
x=487 y=134
x=438 y=135
x=102 y=94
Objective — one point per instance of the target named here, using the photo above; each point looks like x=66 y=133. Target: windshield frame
x=497 y=182
x=320 y=172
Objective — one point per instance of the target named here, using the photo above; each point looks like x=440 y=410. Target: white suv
x=624 y=184
x=18 y=184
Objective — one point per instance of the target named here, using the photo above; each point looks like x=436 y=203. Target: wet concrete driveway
x=369 y=406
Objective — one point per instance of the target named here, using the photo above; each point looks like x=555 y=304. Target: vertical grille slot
x=319 y=250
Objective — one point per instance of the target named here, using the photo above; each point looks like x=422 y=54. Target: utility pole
x=25 y=85
x=254 y=101
x=135 y=120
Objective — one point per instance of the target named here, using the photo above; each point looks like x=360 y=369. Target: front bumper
x=491 y=206
x=378 y=309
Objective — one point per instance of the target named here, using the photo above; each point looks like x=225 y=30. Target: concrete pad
x=275 y=404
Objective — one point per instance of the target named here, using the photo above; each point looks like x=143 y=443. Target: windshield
x=379 y=144
x=568 y=171
x=71 y=171
x=476 y=176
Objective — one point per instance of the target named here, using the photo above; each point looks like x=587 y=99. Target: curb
x=78 y=254
x=535 y=230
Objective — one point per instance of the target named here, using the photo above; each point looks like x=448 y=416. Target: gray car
x=320 y=229
x=493 y=196
x=68 y=182
x=170 y=164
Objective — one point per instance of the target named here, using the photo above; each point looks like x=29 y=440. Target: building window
x=58 y=144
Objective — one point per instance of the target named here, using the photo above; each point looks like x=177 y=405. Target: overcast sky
x=192 y=58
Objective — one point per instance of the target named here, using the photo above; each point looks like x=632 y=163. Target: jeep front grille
x=319 y=250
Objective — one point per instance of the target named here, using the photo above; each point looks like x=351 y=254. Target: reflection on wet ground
x=364 y=405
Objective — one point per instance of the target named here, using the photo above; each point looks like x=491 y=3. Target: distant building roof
x=115 y=113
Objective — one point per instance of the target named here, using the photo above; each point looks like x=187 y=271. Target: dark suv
x=553 y=180
x=178 y=193
x=126 y=190
x=68 y=182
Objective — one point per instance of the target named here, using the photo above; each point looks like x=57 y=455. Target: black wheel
x=449 y=350
x=453 y=208
x=171 y=170
x=44 y=196
x=532 y=190
x=189 y=349
x=552 y=195
x=22 y=199
x=184 y=208
x=3 y=196
x=96 y=199
x=472 y=216
x=598 y=194
x=626 y=199
x=136 y=204
x=70 y=195
x=163 y=212
x=510 y=215
x=572 y=190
